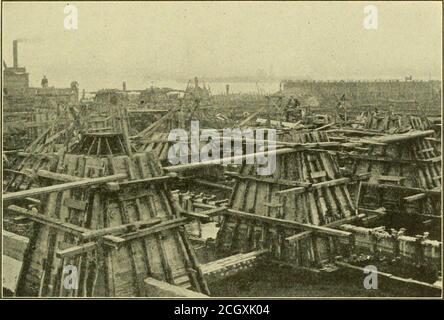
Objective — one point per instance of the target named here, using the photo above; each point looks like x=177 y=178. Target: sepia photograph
x=219 y=150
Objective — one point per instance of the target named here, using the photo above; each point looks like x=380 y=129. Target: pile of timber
x=113 y=218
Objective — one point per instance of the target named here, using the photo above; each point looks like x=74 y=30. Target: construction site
x=90 y=194
x=118 y=185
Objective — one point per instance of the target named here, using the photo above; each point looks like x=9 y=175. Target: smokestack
x=15 y=53
x=124 y=85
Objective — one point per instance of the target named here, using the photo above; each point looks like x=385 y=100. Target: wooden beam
x=213 y=184
x=430 y=192
x=284 y=182
x=415 y=197
x=296 y=190
x=76 y=250
x=157 y=288
x=196 y=215
x=14 y=245
x=198 y=165
x=121 y=228
x=404 y=136
x=330 y=183
x=205 y=216
x=289 y=224
x=168 y=224
x=116 y=185
x=58 y=176
x=333 y=224
x=49 y=221
x=61 y=187
x=147 y=111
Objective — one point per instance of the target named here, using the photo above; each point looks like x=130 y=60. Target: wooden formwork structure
x=40 y=154
x=285 y=212
x=61 y=135
x=405 y=173
x=112 y=218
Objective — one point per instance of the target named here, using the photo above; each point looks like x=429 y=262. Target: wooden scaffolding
x=111 y=216
x=290 y=212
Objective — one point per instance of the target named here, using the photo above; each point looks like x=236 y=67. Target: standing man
x=44 y=82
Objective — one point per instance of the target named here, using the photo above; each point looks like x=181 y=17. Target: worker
x=44 y=82
x=292 y=109
x=341 y=108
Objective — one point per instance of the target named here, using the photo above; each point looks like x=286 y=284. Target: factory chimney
x=15 y=53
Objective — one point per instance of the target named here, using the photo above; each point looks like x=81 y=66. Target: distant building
x=16 y=79
x=19 y=96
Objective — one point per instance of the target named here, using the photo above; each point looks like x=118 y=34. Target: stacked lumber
x=113 y=218
x=289 y=211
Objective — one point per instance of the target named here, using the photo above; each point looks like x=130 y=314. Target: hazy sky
x=138 y=42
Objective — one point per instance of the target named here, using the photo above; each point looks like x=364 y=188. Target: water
x=219 y=87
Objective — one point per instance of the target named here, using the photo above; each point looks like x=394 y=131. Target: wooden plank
x=318 y=174
x=75 y=204
x=284 y=182
x=213 y=184
x=50 y=222
x=434 y=159
x=168 y=224
x=330 y=183
x=431 y=192
x=415 y=197
x=58 y=176
x=14 y=245
x=76 y=250
x=196 y=215
x=404 y=136
x=203 y=164
x=157 y=288
x=297 y=190
x=120 y=228
x=61 y=187
x=391 y=178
